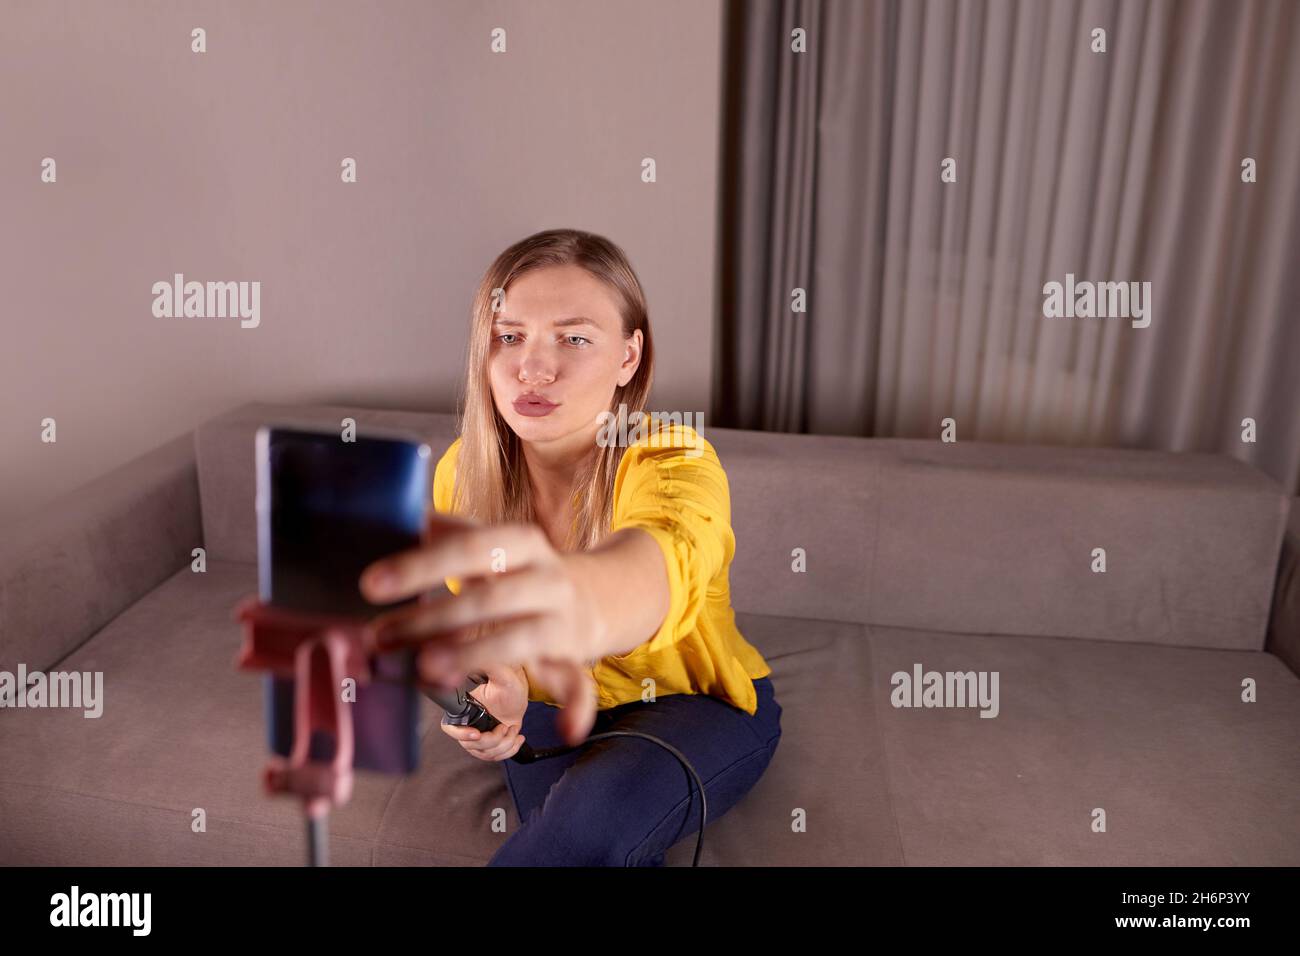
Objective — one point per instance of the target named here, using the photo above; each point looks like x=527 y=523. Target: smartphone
x=326 y=509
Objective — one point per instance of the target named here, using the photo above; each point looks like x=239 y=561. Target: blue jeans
x=624 y=801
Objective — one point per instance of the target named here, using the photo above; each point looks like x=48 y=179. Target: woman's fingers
x=519 y=742
x=442 y=658
x=461 y=732
x=439 y=523
x=487 y=745
x=503 y=740
x=507 y=748
x=575 y=691
x=531 y=590
x=509 y=643
x=467 y=551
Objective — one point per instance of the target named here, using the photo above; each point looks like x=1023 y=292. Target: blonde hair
x=492 y=482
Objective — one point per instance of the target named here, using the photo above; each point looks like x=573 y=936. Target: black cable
x=681 y=758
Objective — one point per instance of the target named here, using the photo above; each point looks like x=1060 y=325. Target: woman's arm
x=626 y=587
x=547 y=610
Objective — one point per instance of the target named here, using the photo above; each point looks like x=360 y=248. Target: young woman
x=589 y=577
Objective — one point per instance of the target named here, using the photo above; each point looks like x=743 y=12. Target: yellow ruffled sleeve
x=677 y=491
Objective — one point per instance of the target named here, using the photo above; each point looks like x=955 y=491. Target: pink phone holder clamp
x=319 y=651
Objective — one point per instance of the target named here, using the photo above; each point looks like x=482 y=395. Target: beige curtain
x=925 y=298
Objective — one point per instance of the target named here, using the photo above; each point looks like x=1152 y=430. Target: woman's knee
x=563 y=835
x=585 y=819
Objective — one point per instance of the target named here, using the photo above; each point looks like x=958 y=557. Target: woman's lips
x=534 y=407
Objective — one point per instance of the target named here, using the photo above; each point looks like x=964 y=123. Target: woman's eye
x=578 y=341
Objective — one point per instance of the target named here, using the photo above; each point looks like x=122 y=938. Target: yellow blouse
x=670 y=483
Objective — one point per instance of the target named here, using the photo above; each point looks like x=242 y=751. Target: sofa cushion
x=182 y=729
x=1158 y=737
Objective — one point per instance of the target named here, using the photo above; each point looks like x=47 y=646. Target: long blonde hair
x=492 y=482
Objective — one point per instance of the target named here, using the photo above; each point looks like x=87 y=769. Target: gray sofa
x=1119 y=691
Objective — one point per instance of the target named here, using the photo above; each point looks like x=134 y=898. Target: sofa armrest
x=69 y=569
x=1284 y=619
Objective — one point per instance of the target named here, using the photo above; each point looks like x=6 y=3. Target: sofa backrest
x=966 y=537
x=224 y=450
x=70 y=567
x=986 y=538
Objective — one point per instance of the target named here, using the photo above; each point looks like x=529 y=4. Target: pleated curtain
x=925 y=299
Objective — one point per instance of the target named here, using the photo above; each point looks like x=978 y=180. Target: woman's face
x=558 y=337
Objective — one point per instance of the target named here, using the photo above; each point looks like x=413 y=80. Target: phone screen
x=326 y=509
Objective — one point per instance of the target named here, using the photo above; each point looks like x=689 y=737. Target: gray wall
x=225 y=166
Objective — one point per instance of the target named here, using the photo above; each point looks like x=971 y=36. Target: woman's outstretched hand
x=521 y=603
